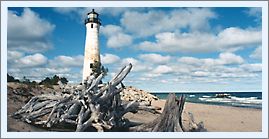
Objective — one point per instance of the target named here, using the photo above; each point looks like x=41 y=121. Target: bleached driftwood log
x=193 y=126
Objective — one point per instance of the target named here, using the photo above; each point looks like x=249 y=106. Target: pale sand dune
x=223 y=118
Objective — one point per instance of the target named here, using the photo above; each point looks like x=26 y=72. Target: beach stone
x=133 y=94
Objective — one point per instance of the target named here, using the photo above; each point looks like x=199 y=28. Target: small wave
x=191 y=95
x=235 y=100
x=250 y=100
x=206 y=96
x=202 y=99
x=246 y=98
x=216 y=99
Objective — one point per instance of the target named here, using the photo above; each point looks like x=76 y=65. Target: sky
x=171 y=48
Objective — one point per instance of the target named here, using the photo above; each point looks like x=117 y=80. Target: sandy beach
x=223 y=118
x=215 y=118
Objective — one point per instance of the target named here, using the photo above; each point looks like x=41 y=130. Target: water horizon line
x=243 y=91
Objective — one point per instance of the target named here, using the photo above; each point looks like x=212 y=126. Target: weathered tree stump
x=169 y=120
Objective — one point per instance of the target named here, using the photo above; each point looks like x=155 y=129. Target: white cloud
x=220 y=68
x=255 y=12
x=151 y=76
x=137 y=65
x=255 y=67
x=29 y=61
x=119 y=40
x=155 y=58
x=175 y=42
x=188 y=69
x=241 y=75
x=257 y=53
x=34 y=60
x=148 y=23
x=116 y=37
x=190 y=60
x=224 y=59
x=83 y=11
x=55 y=70
x=110 y=30
x=67 y=61
x=230 y=39
x=12 y=55
x=230 y=58
x=205 y=72
x=162 y=69
x=111 y=11
x=221 y=74
x=201 y=74
x=109 y=58
x=66 y=10
x=28 y=32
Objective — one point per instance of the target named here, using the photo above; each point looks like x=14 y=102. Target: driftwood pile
x=98 y=107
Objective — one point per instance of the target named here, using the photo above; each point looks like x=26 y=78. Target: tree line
x=48 y=81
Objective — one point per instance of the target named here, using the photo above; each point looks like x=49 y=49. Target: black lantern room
x=92 y=17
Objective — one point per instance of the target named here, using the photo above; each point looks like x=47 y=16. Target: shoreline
x=243 y=107
x=204 y=103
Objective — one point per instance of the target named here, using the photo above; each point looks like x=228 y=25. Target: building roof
x=93 y=12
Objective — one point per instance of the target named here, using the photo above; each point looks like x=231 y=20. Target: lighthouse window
x=91 y=25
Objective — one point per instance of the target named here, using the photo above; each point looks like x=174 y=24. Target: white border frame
x=6 y=4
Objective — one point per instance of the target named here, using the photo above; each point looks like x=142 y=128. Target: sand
x=223 y=118
x=215 y=118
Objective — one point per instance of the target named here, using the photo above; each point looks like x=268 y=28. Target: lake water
x=236 y=99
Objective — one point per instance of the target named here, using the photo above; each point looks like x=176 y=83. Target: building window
x=91 y=25
x=91 y=65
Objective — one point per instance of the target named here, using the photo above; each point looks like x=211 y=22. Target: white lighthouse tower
x=91 y=54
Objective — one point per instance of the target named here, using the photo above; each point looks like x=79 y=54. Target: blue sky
x=172 y=49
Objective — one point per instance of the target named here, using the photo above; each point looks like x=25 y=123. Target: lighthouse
x=91 y=54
